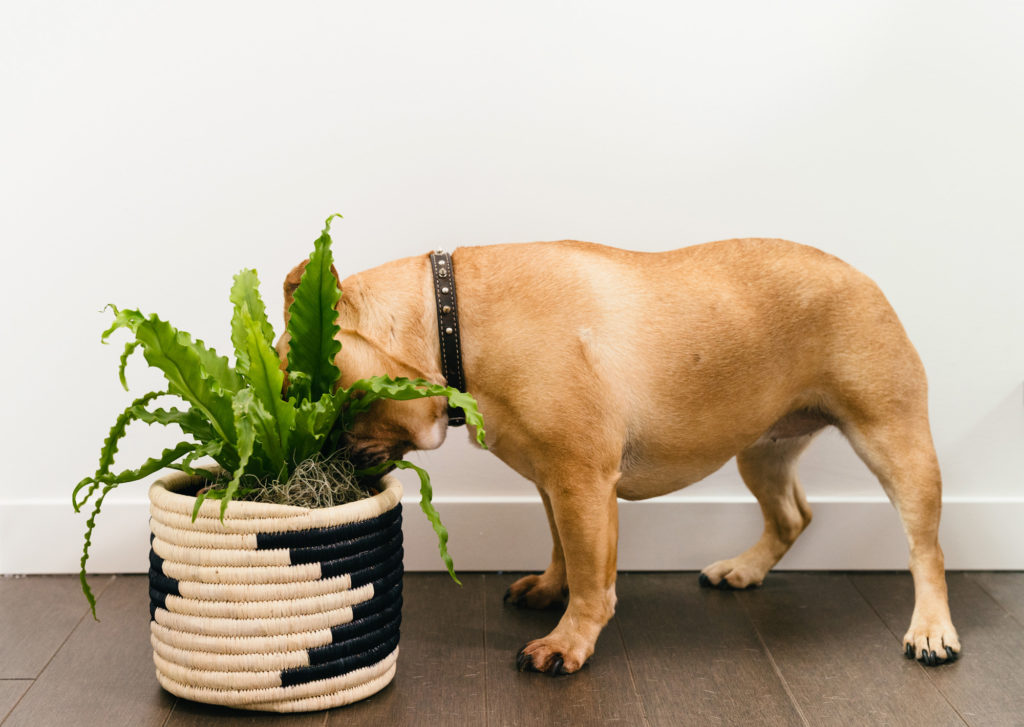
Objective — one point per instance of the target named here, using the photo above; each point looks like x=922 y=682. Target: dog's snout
x=365 y=454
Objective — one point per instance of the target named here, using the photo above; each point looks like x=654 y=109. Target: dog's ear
x=291 y=282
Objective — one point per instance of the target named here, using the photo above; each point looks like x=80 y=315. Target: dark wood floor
x=806 y=649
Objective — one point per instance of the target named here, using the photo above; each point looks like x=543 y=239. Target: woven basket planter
x=278 y=608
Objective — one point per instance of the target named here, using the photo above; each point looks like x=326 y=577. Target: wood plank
x=195 y=714
x=39 y=612
x=440 y=678
x=10 y=692
x=103 y=674
x=837 y=658
x=1006 y=588
x=986 y=685
x=600 y=693
x=695 y=655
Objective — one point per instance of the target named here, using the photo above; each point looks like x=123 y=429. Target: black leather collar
x=448 y=328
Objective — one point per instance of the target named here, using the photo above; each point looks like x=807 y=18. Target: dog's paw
x=932 y=646
x=731 y=574
x=550 y=656
x=536 y=591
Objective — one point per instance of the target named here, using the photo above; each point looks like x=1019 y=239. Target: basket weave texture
x=277 y=608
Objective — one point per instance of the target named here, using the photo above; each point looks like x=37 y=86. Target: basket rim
x=164 y=493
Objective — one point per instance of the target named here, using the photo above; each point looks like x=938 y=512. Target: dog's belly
x=651 y=480
x=643 y=477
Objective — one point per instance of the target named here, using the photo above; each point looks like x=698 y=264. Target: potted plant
x=275 y=571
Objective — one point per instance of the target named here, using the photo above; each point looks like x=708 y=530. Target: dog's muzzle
x=365 y=454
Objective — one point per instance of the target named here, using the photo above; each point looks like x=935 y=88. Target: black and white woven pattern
x=276 y=608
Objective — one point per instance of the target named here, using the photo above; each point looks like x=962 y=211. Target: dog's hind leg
x=547 y=588
x=768 y=468
x=898 y=449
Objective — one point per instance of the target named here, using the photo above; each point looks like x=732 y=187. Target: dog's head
x=382 y=332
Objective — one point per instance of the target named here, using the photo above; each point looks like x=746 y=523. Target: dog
x=605 y=373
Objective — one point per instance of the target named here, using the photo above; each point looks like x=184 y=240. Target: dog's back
x=727 y=336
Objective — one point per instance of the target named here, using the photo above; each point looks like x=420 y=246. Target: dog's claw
x=909 y=651
x=523 y=661
x=704 y=581
x=556 y=667
x=951 y=655
x=928 y=658
x=508 y=594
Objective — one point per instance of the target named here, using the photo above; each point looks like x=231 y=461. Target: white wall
x=147 y=153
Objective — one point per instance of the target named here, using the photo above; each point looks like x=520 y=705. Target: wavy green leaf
x=109 y=448
x=209 y=449
x=225 y=378
x=190 y=422
x=426 y=505
x=273 y=418
x=403 y=389
x=246 y=292
x=182 y=363
x=241 y=408
x=314 y=422
x=129 y=347
x=215 y=367
x=312 y=318
x=300 y=387
x=127 y=318
x=243 y=405
x=149 y=467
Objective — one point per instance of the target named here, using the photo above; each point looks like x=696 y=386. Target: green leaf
x=312 y=317
x=126 y=318
x=109 y=448
x=308 y=436
x=225 y=378
x=246 y=293
x=210 y=449
x=213 y=367
x=189 y=368
x=128 y=349
x=273 y=418
x=148 y=467
x=300 y=386
x=241 y=407
x=426 y=505
x=464 y=401
x=403 y=389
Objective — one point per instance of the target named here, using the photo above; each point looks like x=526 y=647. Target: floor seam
x=632 y=676
x=170 y=712
x=483 y=589
x=899 y=640
x=979 y=584
x=771 y=660
x=56 y=651
x=15 y=705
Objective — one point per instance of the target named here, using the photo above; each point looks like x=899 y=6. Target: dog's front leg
x=585 y=513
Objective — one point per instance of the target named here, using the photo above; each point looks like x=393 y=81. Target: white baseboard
x=672 y=533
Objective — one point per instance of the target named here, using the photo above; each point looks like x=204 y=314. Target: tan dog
x=604 y=373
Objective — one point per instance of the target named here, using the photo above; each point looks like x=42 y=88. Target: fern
x=254 y=419
x=311 y=326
